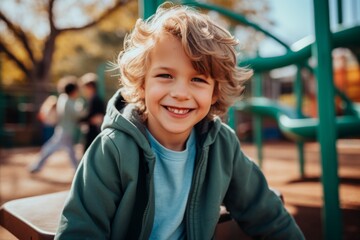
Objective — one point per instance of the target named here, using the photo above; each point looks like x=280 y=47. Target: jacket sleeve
x=94 y=195
x=258 y=211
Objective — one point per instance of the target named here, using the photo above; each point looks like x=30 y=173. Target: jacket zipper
x=193 y=191
x=145 y=228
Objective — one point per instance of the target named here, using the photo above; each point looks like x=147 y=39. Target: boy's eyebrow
x=172 y=69
x=164 y=68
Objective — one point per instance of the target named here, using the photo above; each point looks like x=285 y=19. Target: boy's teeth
x=178 y=111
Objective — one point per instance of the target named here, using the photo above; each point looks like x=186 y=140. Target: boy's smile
x=178 y=112
x=176 y=96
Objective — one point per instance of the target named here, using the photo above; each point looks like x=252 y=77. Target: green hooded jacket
x=112 y=195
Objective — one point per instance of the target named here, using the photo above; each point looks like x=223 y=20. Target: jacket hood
x=125 y=117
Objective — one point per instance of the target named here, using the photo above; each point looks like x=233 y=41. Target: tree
x=95 y=48
x=35 y=58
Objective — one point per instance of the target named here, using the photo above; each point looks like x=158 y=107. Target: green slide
x=292 y=125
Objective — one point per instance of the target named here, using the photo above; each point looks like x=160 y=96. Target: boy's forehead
x=166 y=37
x=166 y=44
x=167 y=52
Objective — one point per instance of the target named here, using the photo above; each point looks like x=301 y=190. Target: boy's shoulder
x=116 y=135
x=123 y=142
x=225 y=131
x=220 y=133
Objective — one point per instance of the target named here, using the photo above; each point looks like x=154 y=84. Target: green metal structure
x=327 y=128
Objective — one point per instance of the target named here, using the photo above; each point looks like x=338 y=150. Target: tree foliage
x=31 y=52
x=84 y=51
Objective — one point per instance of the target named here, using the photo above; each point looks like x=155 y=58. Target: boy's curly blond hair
x=210 y=48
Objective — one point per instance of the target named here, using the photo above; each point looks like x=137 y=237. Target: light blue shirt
x=172 y=178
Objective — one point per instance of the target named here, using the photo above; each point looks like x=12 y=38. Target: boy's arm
x=94 y=196
x=254 y=206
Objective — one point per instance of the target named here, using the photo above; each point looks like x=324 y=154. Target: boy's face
x=176 y=96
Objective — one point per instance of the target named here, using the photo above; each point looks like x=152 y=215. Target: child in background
x=48 y=116
x=68 y=111
x=164 y=162
x=95 y=108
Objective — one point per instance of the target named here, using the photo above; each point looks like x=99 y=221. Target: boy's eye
x=164 y=75
x=199 y=80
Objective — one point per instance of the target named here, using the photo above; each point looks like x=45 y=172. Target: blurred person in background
x=69 y=110
x=48 y=116
x=95 y=108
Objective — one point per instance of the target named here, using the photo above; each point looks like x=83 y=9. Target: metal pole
x=257 y=119
x=339 y=12
x=299 y=102
x=231 y=118
x=332 y=221
x=148 y=7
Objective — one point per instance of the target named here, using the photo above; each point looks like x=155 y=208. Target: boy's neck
x=176 y=143
x=175 y=146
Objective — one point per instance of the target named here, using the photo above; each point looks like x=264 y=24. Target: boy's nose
x=180 y=91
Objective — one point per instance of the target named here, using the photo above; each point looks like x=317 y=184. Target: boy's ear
x=214 y=98
x=142 y=91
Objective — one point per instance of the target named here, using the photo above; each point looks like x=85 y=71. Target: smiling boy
x=164 y=162
x=177 y=97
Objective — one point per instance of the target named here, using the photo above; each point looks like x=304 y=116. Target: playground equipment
x=296 y=127
x=327 y=128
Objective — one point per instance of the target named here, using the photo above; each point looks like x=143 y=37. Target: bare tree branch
x=40 y=69
x=99 y=19
x=51 y=17
x=16 y=60
x=20 y=35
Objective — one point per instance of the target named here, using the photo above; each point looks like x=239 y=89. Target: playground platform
x=303 y=197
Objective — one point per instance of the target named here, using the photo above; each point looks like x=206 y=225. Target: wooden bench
x=34 y=218
x=37 y=218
